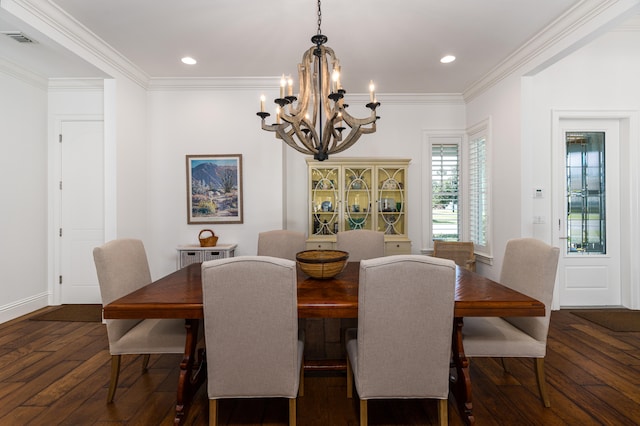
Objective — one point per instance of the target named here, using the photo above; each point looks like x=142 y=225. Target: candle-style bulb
x=262 y=99
x=372 y=88
x=283 y=83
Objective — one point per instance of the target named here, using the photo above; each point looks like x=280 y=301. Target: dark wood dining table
x=179 y=295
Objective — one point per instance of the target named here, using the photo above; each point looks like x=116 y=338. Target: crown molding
x=72 y=84
x=582 y=21
x=61 y=27
x=12 y=70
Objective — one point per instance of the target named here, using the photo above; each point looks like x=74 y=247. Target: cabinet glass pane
x=324 y=200
x=357 y=198
x=391 y=200
x=585 y=172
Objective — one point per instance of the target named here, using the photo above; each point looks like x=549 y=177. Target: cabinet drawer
x=320 y=245
x=213 y=254
x=397 y=247
x=188 y=257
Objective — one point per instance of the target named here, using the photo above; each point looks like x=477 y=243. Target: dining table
x=179 y=295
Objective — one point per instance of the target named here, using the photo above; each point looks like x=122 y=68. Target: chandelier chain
x=319 y=18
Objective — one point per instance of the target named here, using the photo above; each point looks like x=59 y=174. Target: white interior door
x=588 y=222
x=81 y=209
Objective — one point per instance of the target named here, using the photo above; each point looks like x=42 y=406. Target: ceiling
x=398 y=44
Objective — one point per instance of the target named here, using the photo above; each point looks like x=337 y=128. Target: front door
x=588 y=225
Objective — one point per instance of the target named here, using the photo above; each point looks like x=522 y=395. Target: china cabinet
x=355 y=193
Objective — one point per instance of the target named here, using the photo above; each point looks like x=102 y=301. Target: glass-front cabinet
x=352 y=194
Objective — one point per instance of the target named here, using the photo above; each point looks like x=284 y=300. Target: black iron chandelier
x=316 y=121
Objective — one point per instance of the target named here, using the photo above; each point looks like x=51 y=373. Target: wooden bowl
x=322 y=264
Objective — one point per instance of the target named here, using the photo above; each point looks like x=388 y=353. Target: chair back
x=122 y=268
x=251 y=327
x=405 y=318
x=461 y=252
x=361 y=244
x=529 y=267
x=281 y=243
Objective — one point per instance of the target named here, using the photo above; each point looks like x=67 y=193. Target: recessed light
x=447 y=59
x=189 y=60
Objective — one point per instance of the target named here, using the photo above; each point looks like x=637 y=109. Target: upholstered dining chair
x=122 y=268
x=460 y=252
x=361 y=244
x=529 y=266
x=254 y=348
x=402 y=346
x=282 y=243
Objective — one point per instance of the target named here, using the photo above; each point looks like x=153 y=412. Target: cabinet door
x=391 y=212
x=325 y=200
x=358 y=204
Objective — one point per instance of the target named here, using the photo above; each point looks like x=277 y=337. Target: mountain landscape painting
x=214 y=188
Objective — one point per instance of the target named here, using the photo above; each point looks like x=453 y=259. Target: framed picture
x=214 y=188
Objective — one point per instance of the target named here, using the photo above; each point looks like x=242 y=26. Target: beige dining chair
x=361 y=244
x=254 y=348
x=402 y=346
x=461 y=252
x=122 y=268
x=282 y=243
x=529 y=267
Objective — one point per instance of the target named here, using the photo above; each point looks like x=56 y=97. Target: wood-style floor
x=57 y=373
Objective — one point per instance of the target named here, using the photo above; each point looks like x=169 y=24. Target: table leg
x=462 y=384
x=193 y=370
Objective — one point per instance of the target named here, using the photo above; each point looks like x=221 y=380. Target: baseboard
x=22 y=307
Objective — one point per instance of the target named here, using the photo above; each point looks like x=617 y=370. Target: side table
x=188 y=254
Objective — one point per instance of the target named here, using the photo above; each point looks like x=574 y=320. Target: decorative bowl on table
x=322 y=264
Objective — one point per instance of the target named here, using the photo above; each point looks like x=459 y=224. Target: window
x=445 y=174
x=586 y=213
x=478 y=191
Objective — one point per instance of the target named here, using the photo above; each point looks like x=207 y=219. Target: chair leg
x=349 y=379
x=292 y=412
x=213 y=412
x=364 y=419
x=542 y=383
x=443 y=416
x=145 y=362
x=115 y=373
x=301 y=385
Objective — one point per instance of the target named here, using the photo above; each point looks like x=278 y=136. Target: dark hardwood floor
x=57 y=373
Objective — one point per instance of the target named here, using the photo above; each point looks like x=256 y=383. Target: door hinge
x=61 y=185
x=60 y=279
x=61 y=232
x=60 y=138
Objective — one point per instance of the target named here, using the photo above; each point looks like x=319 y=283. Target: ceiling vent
x=18 y=36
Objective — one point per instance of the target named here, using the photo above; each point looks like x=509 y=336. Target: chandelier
x=316 y=121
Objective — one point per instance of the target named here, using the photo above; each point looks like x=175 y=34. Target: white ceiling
x=397 y=44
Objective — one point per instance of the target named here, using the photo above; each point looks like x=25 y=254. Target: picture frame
x=214 y=189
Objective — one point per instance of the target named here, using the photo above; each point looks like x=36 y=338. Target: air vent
x=18 y=36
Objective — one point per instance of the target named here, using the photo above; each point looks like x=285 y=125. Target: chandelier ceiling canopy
x=316 y=121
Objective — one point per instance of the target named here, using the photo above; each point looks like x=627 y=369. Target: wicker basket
x=322 y=264
x=210 y=241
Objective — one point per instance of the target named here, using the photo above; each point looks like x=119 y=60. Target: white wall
x=599 y=79
x=501 y=105
x=23 y=196
x=212 y=122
